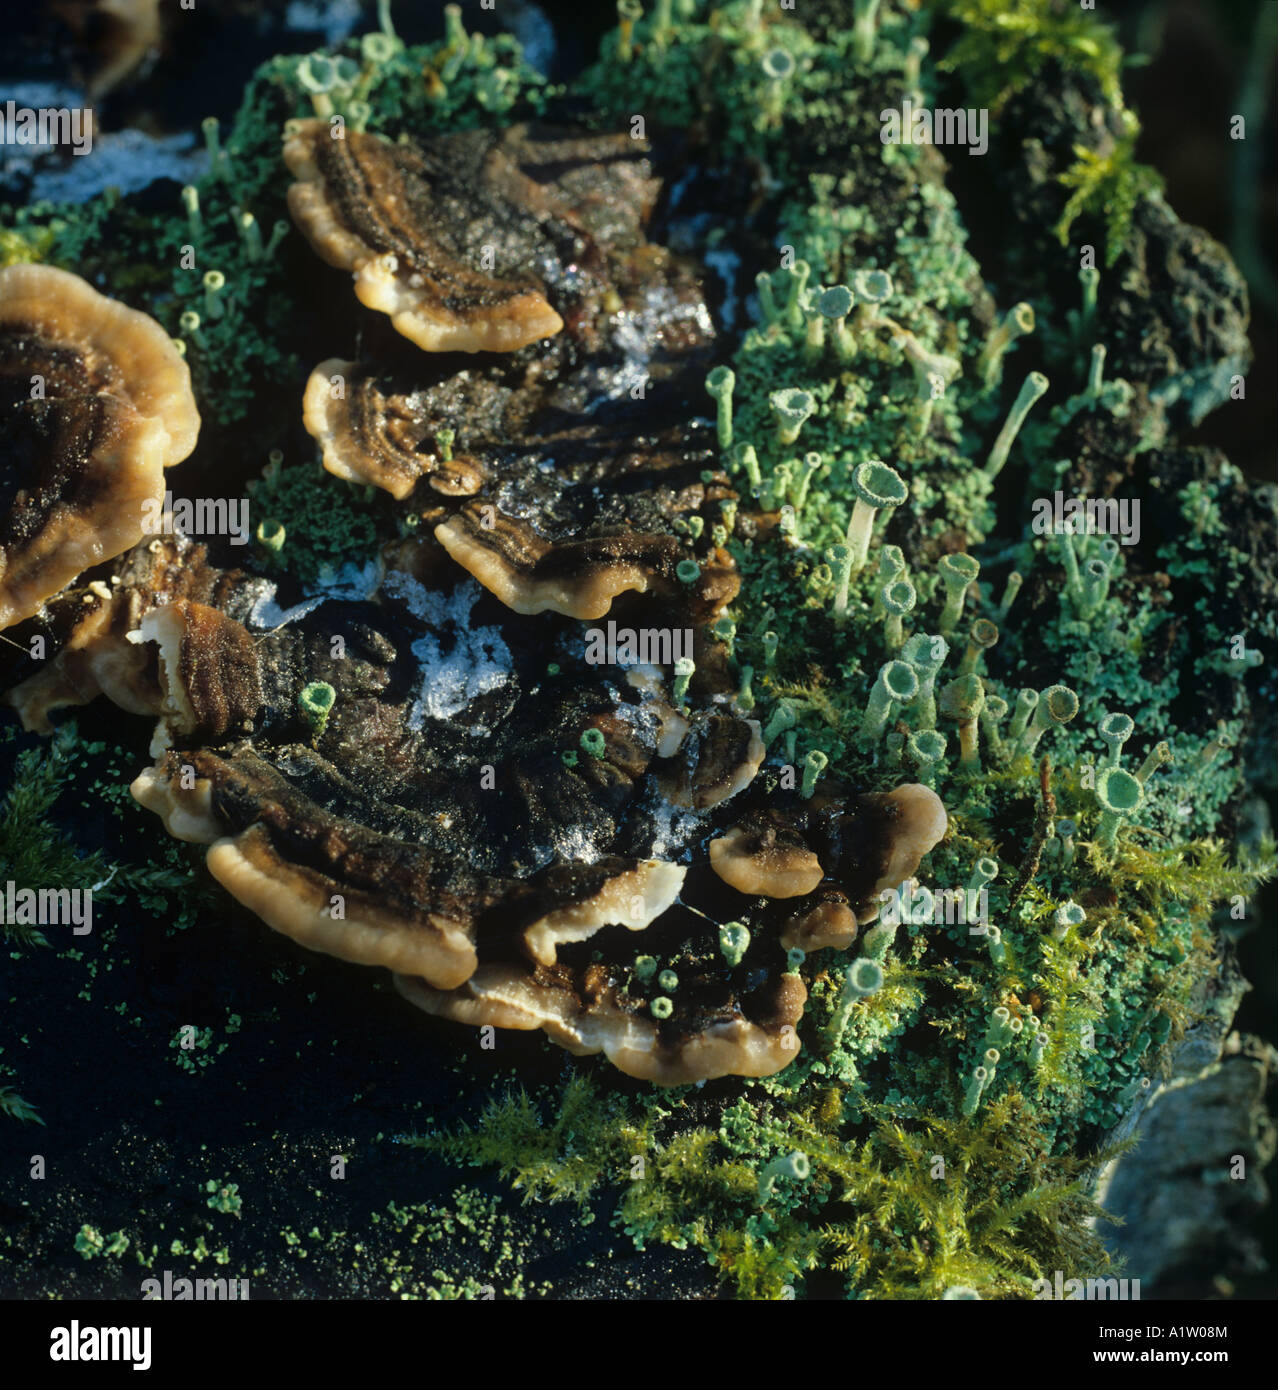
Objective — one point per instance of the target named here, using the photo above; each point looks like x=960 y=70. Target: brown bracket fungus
x=575 y=461
x=863 y=845
x=767 y=860
x=461 y=789
x=369 y=434
x=410 y=221
x=705 y=1041
x=95 y=403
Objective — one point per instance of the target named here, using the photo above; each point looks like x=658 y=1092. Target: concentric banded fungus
x=767 y=859
x=440 y=798
x=533 y=440
x=210 y=676
x=357 y=834
x=874 y=842
x=369 y=434
x=95 y=402
x=829 y=923
x=97 y=654
x=578 y=578
x=404 y=219
x=671 y=1051
x=718 y=757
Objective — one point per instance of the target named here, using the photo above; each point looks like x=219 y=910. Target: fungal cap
x=777 y=64
x=835 y=302
x=1117 y=728
x=899 y=680
x=734 y=942
x=791 y=405
x=878 y=484
x=874 y=286
x=354 y=206
x=986 y=869
x=926 y=652
x=963 y=698
x=864 y=976
x=891 y=561
x=958 y=570
x=927 y=745
x=899 y=597
x=761 y=865
x=1118 y=791
x=721 y=381
x=317 y=699
x=117 y=410
x=984 y=634
x=1035 y=385
x=1069 y=914
x=1062 y=703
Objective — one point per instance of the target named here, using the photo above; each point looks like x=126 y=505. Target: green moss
x=34 y=851
x=1005 y=45
x=224 y=1197
x=543 y=1149
x=13 y=1105
x=323 y=518
x=1108 y=186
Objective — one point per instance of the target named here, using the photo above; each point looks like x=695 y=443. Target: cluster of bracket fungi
x=426 y=773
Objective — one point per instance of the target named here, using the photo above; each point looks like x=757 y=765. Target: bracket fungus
x=397 y=217
x=523 y=843
x=507 y=446
x=95 y=403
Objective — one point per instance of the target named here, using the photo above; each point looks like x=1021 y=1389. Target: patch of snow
x=335 y=19
x=458 y=662
x=352 y=581
x=674 y=830
x=125 y=159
